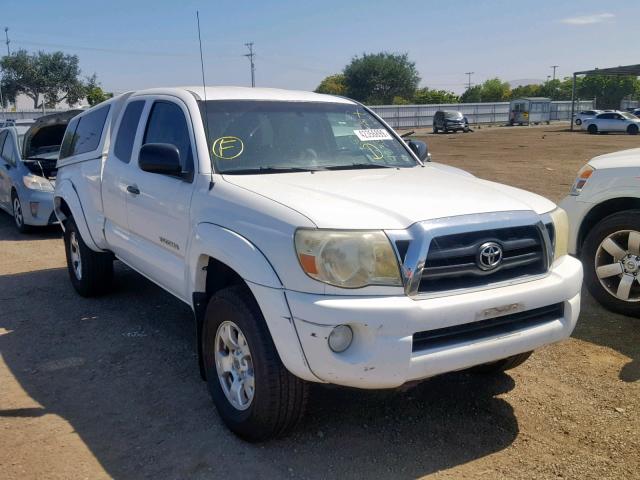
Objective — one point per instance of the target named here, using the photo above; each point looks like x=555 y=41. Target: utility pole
x=469 y=82
x=250 y=56
x=6 y=34
x=554 y=70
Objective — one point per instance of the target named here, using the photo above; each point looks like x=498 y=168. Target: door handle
x=133 y=189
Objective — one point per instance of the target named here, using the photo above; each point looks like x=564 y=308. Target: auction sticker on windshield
x=373 y=134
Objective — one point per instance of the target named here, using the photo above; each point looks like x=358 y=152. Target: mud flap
x=200 y=301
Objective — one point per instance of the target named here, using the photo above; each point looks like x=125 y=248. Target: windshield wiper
x=249 y=171
x=357 y=166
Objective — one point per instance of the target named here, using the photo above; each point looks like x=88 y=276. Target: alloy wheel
x=17 y=212
x=617 y=265
x=74 y=253
x=234 y=365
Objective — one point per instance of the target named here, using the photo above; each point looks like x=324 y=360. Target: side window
x=127 y=131
x=3 y=136
x=66 y=149
x=8 y=150
x=167 y=124
x=89 y=130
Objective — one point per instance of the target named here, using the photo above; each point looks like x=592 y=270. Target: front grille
x=504 y=325
x=451 y=259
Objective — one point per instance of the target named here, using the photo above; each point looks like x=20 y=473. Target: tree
x=425 y=95
x=333 y=85
x=94 y=92
x=531 y=90
x=44 y=77
x=607 y=90
x=472 y=95
x=379 y=77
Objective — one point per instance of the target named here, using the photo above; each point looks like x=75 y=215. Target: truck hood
x=387 y=198
x=621 y=159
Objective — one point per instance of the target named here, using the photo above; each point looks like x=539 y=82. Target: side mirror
x=162 y=158
x=420 y=149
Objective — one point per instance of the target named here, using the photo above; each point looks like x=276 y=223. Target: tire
x=18 y=216
x=91 y=273
x=622 y=228
x=578 y=121
x=435 y=129
x=501 y=365
x=592 y=129
x=632 y=129
x=278 y=399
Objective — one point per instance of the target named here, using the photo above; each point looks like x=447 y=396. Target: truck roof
x=248 y=93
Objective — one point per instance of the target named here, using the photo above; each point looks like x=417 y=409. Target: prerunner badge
x=373 y=134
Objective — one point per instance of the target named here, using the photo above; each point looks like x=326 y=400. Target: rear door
x=158 y=205
x=118 y=174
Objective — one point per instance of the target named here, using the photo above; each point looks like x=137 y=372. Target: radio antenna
x=204 y=91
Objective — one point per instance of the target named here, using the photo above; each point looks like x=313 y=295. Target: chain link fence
x=416 y=116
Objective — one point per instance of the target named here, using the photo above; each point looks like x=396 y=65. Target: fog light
x=340 y=338
x=34 y=208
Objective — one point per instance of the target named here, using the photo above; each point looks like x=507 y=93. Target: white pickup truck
x=313 y=243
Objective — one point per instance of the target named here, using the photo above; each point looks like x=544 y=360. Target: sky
x=139 y=43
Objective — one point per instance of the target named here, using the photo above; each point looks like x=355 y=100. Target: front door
x=158 y=205
x=5 y=181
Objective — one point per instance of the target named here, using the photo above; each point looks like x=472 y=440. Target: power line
x=469 y=82
x=250 y=56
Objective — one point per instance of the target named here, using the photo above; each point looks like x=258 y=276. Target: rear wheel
x=611 y=259
x=435 y=129
x=502 y=365
x=592 y=129
x=255 y=395
x=632 y=129
x=91 y=273
x=578 y=121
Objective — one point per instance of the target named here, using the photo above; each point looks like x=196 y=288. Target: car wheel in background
x=255 y=395
x=611 y=259
x=91 y=273
x=632 y=129
x=578 y=121
x=501 y=365
x=592 y=129
x=18 y=214
x=435 y=129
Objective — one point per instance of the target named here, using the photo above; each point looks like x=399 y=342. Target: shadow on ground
x=121 y=370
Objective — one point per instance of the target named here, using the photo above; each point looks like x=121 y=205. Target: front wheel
x=255 y=395
x=592 y=129
x=578 y=122
x=18 y=214
x=632 y=129
x=611 y=259
x=91 y=273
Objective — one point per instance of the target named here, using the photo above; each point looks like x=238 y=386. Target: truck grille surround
x=443 y=255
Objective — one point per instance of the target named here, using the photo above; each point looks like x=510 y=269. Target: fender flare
x=66 y=191
x=248 y=261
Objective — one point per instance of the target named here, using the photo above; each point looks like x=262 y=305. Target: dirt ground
x=109 y=387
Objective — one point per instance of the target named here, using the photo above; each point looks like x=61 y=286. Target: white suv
x=312 y=243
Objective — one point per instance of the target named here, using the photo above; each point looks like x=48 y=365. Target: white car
x=312 y=243
x=579 y=118
x=604 y=215
x=612 y=122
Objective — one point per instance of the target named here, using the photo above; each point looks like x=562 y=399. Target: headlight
x=583 y=175
x=348 y=259
x=561 y=232
x=35 y=182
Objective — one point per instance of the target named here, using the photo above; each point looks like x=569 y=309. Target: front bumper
x=576 y=210
x=43 y=207
x=455 y=126
x=382 y=356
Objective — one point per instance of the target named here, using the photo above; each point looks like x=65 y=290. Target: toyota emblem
x=489 y=256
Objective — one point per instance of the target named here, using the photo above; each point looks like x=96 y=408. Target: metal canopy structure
x=633 y=70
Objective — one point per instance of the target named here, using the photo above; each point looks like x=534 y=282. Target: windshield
x=628 y=116
x=453 y=115
x=248 y=136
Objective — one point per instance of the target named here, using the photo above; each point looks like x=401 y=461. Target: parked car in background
x=579 y=118
x=604 y=216
x=28 y=156
x=612 y=122
x=450 y=121
x=312 y=243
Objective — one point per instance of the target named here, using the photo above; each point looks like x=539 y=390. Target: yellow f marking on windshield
x=227 y=148
x=375 y=151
